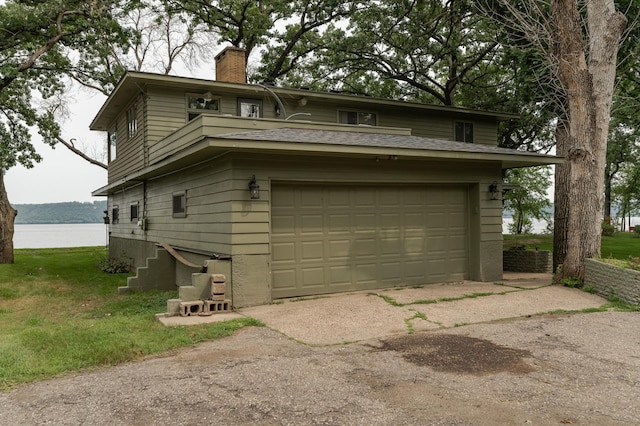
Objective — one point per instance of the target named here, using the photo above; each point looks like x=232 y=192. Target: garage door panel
x=364 y=222
x=339 y=249
x=389 y=198
x=338 y=223
x=364 y=247
x=339 y=238
x=283 y=252
x=313 y=250
x=283 y=225
x=284 y=280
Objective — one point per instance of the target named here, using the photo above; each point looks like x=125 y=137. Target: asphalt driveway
x=472 y=358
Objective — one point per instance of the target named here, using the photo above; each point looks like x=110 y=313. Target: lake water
x=95 y=234
x=62 y=235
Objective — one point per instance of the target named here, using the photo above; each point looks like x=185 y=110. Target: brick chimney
x=231 y=65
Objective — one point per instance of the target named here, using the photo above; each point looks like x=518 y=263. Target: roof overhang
x=330 y=143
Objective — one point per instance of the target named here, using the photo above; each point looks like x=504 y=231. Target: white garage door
x=327 y=239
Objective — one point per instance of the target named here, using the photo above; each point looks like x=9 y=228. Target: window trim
x=257 y=101
x=180 y=213
x=358 y=114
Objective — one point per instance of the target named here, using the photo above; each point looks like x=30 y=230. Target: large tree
x=41 y=43
x=579 y=41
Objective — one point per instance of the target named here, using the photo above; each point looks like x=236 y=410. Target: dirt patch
x=459 y=354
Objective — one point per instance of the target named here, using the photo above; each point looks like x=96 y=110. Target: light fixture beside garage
x=254 y=188
x=493 y=191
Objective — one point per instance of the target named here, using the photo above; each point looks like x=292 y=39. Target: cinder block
x=173 y=307
x=191 y=308
x=217 y=306
x=218 y=278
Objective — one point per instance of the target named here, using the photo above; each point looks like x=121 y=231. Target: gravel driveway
x=551 y=369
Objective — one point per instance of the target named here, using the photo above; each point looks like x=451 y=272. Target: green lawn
x=59 y=312
x=619 y=246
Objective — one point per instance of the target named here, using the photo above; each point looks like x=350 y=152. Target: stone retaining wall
x=521 y=260
x=607 y=280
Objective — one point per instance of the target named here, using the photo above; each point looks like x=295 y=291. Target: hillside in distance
x=68 y=212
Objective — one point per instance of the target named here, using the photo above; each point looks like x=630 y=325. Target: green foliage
x=70 y=212
x=65 y=315
x=608 y=229
x=636 y=232
x=571 y=282
x=528 y=200
x=116 y=265
x=43 y=44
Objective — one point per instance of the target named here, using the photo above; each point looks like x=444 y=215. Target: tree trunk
x=589 y=92
x=7 y=217
x=561 y=199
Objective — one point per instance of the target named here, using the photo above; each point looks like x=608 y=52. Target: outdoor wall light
x=493 y=191
x=254 y=188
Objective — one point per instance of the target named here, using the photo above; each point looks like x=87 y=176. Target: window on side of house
x=132 y=120
x=134 y=211
x=358 y=117
x=463 y=131
x=197 y=104
x=251 y=108
x=112 y=139
x=115 y=214
x=180 y=204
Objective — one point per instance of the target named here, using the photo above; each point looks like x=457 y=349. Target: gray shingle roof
x=362 y=139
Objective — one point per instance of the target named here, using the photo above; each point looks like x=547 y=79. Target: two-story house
x=301 y=192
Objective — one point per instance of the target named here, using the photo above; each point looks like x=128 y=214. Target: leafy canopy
x=41 y=44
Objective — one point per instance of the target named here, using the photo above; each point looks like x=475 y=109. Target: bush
x=119 y=265
x=608 y=229
x=636 y=231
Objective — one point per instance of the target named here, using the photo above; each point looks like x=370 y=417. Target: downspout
x=272 y=93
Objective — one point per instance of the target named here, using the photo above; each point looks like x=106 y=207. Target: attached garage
x=330 y=238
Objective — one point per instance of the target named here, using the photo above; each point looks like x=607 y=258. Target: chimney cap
x=229 y=49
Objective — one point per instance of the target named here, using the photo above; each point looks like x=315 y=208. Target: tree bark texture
x=561 y=199
x=589 y=90
x=7 y=217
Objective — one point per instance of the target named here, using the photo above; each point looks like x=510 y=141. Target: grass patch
x=620 y=245
x=64 y=314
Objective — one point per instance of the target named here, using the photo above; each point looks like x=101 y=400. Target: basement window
x=463 y=131
x=358 y=117
x=180 y=204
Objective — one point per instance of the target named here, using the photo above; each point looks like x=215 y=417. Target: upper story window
x=112 y=139
x=197 y=104
x=180 y=204
x=132 y=120
x=464 y=131
x=251 y=108
x=358 y=117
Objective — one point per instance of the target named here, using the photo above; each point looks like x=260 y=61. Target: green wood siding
x=130 y=152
